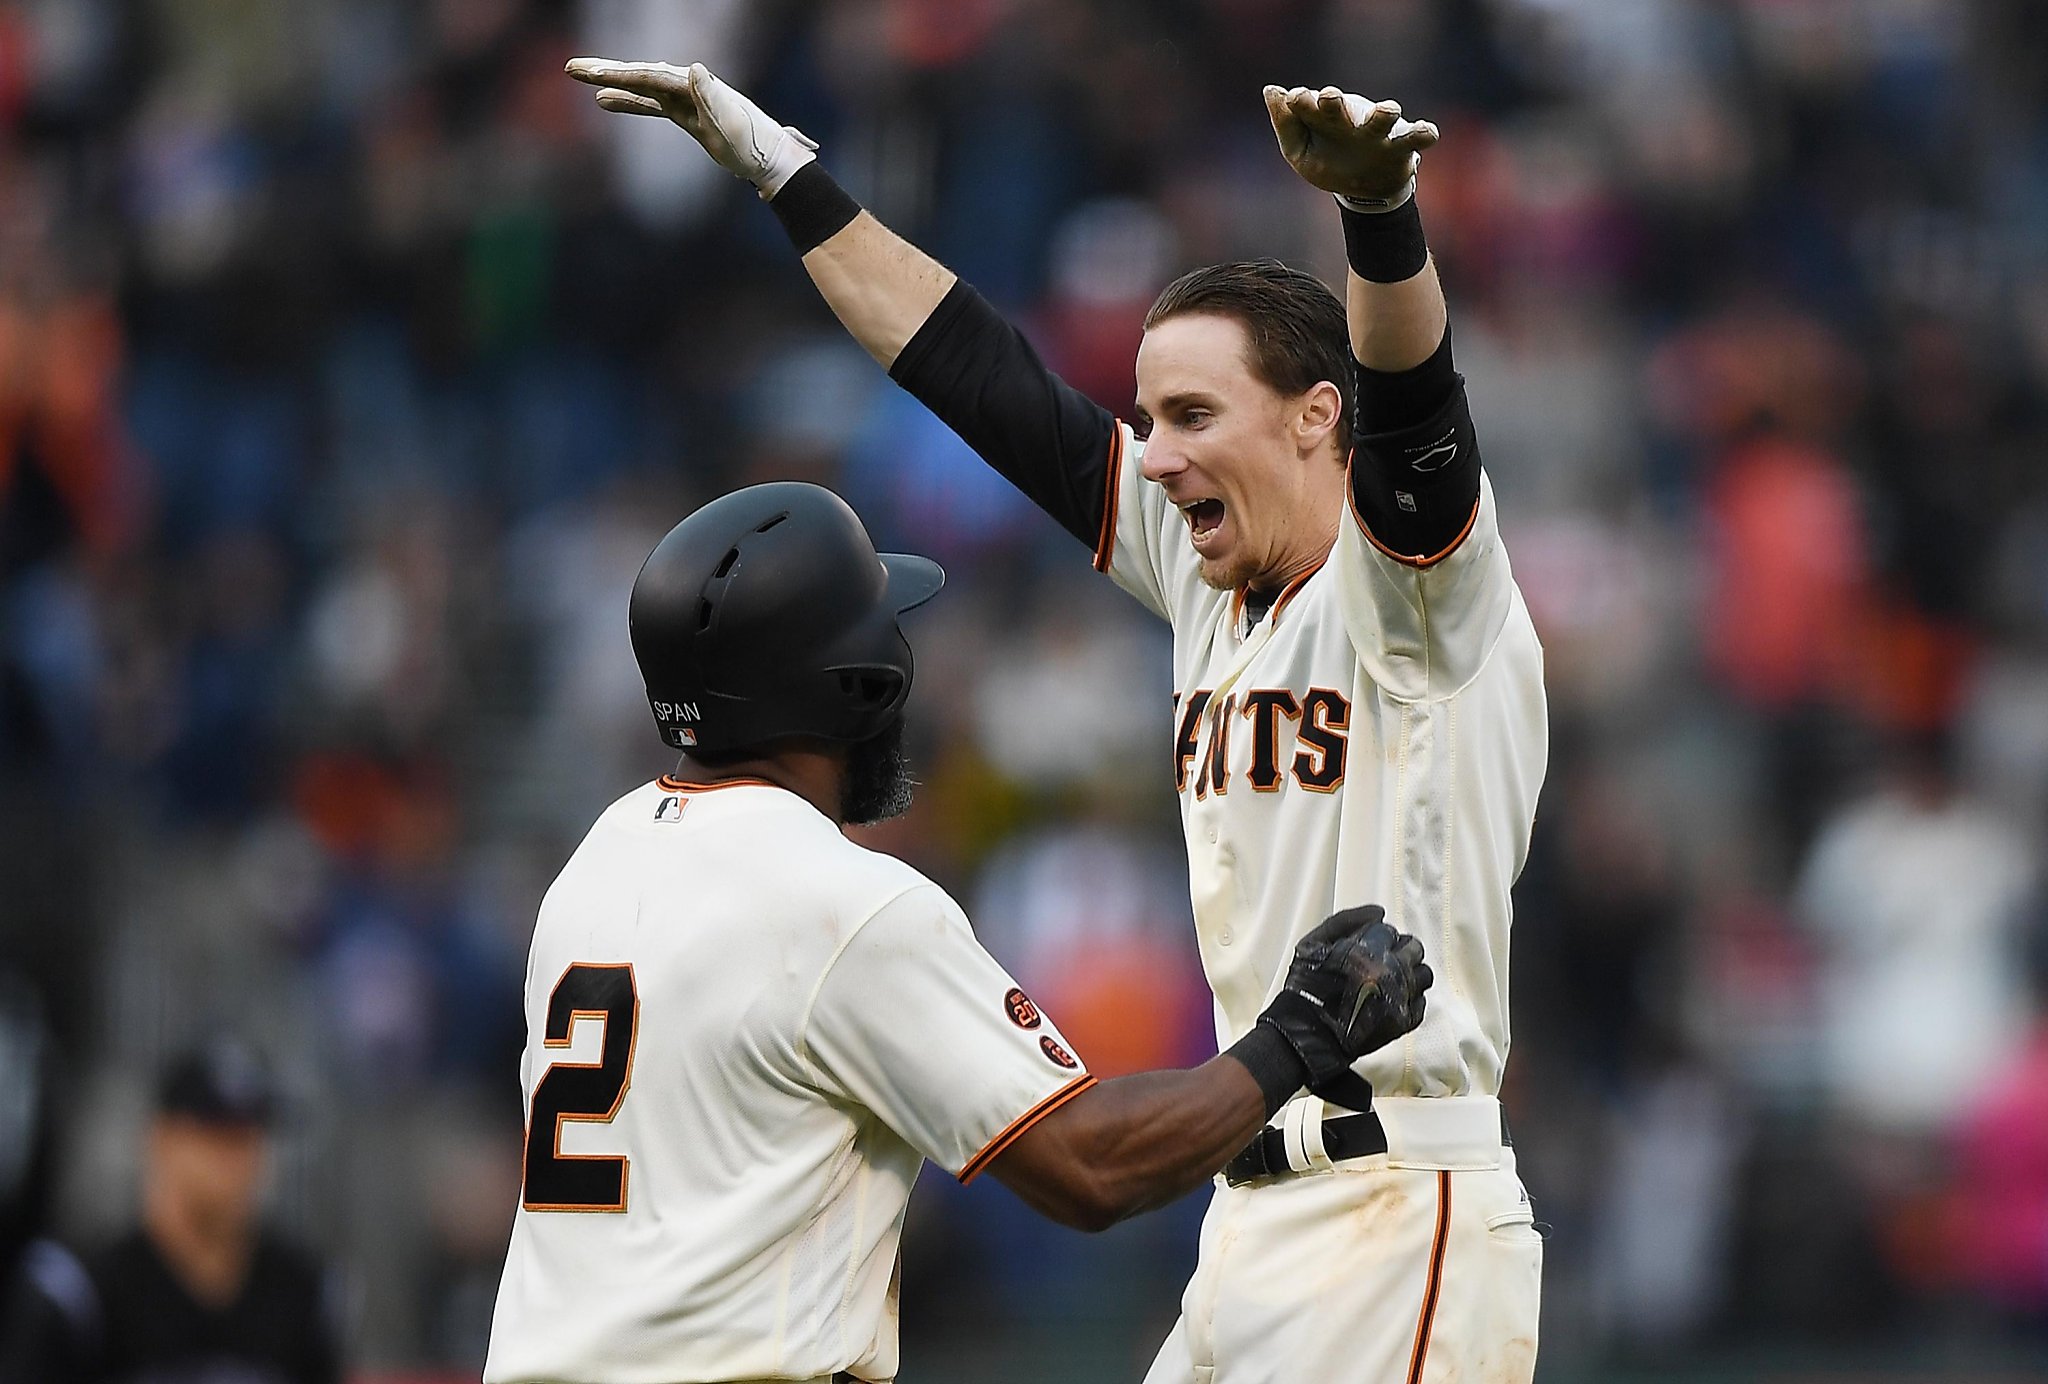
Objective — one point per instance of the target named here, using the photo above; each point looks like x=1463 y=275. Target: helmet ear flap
x=873 y=689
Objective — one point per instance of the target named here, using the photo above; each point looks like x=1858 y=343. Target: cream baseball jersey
x=1380 y=734
x=1375 y=733
x=745 y=1034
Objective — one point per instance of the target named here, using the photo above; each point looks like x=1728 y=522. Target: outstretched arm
x=1415 y=462
x=1366 y=155
x=880 y=285
x=935 y=335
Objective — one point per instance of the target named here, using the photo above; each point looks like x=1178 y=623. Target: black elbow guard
x=1416 y=489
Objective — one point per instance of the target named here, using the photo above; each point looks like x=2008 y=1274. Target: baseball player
x=1359 y=709
x=745 y=1033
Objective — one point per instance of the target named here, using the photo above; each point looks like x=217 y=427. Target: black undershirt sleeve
x=1415 y=457
x=980 y=376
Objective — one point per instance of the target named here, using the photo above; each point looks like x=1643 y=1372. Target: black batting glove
x=1355 y=985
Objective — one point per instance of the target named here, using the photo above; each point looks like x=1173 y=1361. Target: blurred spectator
x=45 y=1304
x=1914 y=894
x=1789 y=570
x=2000 y=1211
x=200 y=1290
x=1669 y=1202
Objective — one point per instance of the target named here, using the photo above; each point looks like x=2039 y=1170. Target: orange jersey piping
x=669 y=783
x=1291 y=590
x=1434 y=1289
x=1112 y=491
x=1016 y=1128
x=1408 y=559
x=1405 y=559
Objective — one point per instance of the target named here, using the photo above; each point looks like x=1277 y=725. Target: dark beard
x=878 y=785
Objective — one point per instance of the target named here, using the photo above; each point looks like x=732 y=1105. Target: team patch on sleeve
x=1023 y=1013
x=1059 y=1055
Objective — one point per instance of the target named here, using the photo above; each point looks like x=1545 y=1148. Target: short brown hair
x=1295 y=325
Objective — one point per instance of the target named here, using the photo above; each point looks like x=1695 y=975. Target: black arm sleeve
x=1415 y=458
x=983 y=380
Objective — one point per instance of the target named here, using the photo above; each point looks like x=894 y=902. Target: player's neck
x=1261 y=591
x=1311 y=532
x=816 y=776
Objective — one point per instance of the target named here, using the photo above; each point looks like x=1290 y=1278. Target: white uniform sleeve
x=1424 y=625
x=916 y=1022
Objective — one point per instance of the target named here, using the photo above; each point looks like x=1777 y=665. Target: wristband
x=1273 y=1063
x=1384 y=247
x=812 y=207
x=1375 y=205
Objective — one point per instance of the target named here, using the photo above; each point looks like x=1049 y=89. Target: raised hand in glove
x=745 y=140
x=1355 y=985
x=1361 y=150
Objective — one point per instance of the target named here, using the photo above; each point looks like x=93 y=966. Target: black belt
x=1347 y=1136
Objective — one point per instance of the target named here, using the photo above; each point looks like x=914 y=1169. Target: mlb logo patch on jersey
x=1023 y=1013
x=670 y=809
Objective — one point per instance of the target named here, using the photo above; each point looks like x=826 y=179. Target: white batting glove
x=744 y=139
x=1362 y=151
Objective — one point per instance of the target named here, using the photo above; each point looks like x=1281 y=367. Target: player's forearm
x=1395 y=326
x=879 y=285
x=1134 y=1143
x=1172 y=1132
x=1392 y=299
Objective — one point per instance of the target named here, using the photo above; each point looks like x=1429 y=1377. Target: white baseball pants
x=1362 y=1273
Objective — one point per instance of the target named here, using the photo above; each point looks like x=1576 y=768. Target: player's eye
x=1196 y=418
x=1141 y=426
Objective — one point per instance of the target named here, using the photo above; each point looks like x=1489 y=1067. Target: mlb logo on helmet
x=676 y=720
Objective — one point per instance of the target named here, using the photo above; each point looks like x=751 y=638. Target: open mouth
x=1203 y=516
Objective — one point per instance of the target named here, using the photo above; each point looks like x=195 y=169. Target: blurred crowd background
x=351 y=361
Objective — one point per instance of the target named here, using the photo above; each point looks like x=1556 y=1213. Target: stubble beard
x=1224 y=573
x=878 y=785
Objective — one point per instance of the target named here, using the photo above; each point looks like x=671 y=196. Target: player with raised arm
x=1358 y=712
x=745 y=1033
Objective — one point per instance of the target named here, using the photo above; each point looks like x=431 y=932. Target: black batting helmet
x=768 y=614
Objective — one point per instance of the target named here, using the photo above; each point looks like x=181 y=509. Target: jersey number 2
x=590 y=1091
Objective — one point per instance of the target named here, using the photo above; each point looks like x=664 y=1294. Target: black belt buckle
x=1347 y=1136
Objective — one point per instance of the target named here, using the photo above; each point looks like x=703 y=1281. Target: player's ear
x=1316 y=418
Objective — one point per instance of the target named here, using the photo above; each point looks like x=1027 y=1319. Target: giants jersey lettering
x=1378 y=737
x=744 y=1036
